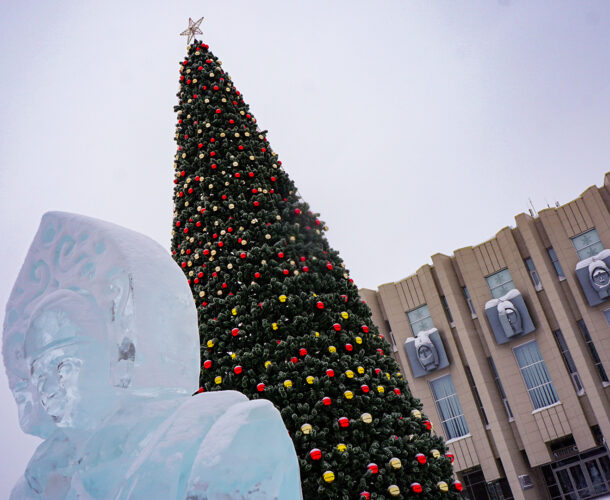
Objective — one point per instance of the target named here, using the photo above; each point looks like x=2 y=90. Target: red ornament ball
x=421 y=458
x=302 y=352
x=349 y=347
x=365 y=495
x=365 y=328
x=207 y=364
x=397 y=391
x=458 y=485
x=374 y=468
x=416 y=487
x=319 y=305
x=260 y=387
x=337 y=327
x=326 y=401
x=343 y=422
x=450 y=456
x=235 y=332
x=330 y=372
x=315 y=454
x=365 y=388
x=237 y=370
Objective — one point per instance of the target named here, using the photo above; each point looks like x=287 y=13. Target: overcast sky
x=413 y=127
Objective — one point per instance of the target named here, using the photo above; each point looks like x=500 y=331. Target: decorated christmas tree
x=279 y=316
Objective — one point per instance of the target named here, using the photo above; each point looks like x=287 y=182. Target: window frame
x=411 y=323
x=460 y=417
x=535 y=389
x=501 y=285
x=585 y=248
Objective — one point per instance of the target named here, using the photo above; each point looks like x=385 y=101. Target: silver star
x=192 y=30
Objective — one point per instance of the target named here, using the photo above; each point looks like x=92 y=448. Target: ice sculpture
x=101 y=350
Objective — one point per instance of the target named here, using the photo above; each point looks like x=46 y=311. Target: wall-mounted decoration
x=426 y=353
x=508 y=317
x=594 y=276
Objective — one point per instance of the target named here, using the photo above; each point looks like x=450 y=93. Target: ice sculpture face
x=101 y=349
x=101 y=283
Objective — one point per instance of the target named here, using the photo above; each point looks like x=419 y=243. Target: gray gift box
x=508 y=317
x=426 y=353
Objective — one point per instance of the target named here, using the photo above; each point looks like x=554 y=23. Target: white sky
x=413 y=127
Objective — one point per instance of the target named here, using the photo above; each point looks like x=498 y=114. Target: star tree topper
x=193 y=29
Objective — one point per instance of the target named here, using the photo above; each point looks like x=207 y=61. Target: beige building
x=508 y=348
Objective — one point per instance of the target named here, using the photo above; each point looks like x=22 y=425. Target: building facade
x=507 y=344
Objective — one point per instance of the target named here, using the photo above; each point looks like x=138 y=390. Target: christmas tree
x=279 y=316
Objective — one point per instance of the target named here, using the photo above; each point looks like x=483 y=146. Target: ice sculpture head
x=599 y=276
x=427 y=354
x=97 y=311
x=510 y=319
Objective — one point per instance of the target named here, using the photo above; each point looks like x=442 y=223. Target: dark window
x=446 y=307
x=476 y=394
x=529 y=263
x=469 y=300
x=555 y=261
x=492 y=365
x=568 y=361
x=592 y=350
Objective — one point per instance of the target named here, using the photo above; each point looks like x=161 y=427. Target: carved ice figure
x=101 y=350
x=427 y=355
x=510 y=319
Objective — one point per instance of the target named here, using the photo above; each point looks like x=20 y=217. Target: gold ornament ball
x=348 y=394
x=218 y=380
x=310 y=380
x=360 y=370
x=443 y=486
x=234 y=311
x=416 y=413
x=332 y=349
x=367 y=418
x=395 y=463
x=210 y=344
x=344 y=315
x=267 y=364
x=282 y=298
x=380 y=389
x=274 y=326
x=287 y=383
x=306 y=428
x=358 y=340
x=435 y=453
x=349 y=374
x=393 y=490
x=329 y=476
x=341 y=447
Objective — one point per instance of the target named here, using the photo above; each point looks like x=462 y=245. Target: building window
x=568 y=361
x=446 y=307
x=449 y=408
x=536 y=376
x=469 y=300
x=533 y=274
x=394 y=346
x=556 y=264
x=492 y=365
x=420 y=319
x=587 y=244
x=500 y=283
x=476 y=394
x=592 y=350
